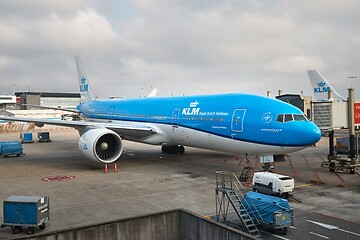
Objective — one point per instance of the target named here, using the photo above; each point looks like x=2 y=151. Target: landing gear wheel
x=16 y=230
x=164 y=149
x=30 y=231
x=42 y=226
x=182 y=149
x=173 y=149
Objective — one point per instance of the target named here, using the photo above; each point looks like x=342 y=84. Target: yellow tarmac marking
x=303 y=185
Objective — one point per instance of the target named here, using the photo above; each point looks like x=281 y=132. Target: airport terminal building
x=49 y=99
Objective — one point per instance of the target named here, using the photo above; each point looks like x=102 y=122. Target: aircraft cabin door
x=237 y=124
x=175 y=118
x=111 y=114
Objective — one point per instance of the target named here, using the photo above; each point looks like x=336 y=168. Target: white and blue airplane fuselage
x=233 y=123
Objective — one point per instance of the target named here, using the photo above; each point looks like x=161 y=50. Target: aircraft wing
x=54 y=108
x=126 y=131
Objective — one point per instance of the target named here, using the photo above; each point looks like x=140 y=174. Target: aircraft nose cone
x=312 y=134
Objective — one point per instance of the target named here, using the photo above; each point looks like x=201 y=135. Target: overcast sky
x=178 y=46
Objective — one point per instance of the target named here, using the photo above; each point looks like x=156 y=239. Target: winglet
x=83 y=80
x=321 y=87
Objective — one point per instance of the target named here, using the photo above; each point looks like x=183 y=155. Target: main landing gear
x=173 y=149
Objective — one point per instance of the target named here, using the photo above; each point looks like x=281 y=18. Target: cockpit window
x=288 y=117
x=291 y=117
x=300 y=117
x=280 y=118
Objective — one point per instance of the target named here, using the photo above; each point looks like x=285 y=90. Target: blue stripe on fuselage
x=255 y=119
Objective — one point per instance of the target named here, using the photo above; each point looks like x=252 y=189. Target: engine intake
x=101 y=144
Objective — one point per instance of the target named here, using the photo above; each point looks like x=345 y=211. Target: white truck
x=272 y=184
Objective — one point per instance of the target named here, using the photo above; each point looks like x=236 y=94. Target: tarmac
x=149 y=181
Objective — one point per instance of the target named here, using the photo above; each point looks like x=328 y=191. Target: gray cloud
x=180 y=47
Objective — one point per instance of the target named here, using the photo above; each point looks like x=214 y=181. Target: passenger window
x=280 y=118
x=288 y=117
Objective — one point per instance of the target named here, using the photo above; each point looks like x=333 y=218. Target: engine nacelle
x=101 y=144
x=39 y=124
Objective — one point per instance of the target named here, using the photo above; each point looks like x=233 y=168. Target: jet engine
x=101 y=144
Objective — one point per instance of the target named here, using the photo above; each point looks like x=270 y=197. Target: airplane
x=236 y=123
x=321 y=87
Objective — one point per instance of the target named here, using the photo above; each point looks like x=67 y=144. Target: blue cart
x=26 y=137
x=272 y=213
x=26 y=212
x=13 y=148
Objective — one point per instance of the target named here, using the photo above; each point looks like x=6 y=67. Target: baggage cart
x=272 y=213
x=13 y=148
x=25 y=212
x=26 y=137
x=44 y=137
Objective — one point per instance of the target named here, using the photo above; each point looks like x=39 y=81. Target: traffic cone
x=237 y=157
x=106 y=168
x=115 y=168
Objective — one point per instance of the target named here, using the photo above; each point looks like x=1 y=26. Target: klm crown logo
x=192 y=110
x=194 y=104
x=321 y=88
x=321 y=84
x=83 y=79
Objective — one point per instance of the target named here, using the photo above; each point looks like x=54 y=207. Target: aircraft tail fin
x=153 y=93
x=321 y=87
x=83 y=81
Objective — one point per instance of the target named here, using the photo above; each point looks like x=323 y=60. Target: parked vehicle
x=13 y=148
x=273 y=184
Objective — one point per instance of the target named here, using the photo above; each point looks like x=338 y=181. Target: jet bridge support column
x=351 y=124
x=331 y=144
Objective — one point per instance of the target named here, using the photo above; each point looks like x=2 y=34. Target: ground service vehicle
x=272 y=184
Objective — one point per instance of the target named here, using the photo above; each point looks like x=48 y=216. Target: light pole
x=352 y=81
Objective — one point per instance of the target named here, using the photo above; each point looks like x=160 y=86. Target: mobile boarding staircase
x=230 y=194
